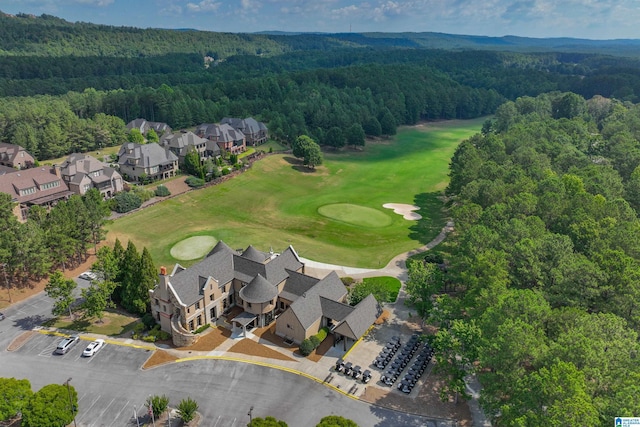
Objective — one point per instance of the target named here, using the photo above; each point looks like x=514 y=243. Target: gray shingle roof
x=148 y=155
x=258 y=291
x=308 y=307
x=356 y=323
x=254 y=254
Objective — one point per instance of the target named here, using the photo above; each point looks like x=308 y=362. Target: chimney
x=164 y=279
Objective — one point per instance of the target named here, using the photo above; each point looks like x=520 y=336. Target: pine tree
x=129 y=265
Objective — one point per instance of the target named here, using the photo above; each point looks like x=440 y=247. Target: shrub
x=126 y=202
x=194 y=182
x=163 y=336
x=162 y=191
x=158 y=404
x=347 y=281
x=187 y=409
x=148 y=321
x=226 y=171
x=322 y=334
x=306 y=347
x=149 y=338
x=315 y=341
x=143 y=193
x=237 y=166
x=202 y=328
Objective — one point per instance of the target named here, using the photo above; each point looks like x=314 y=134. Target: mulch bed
x=269 y=334
x=252 y=348
x=20 y=340
x=210 y=341
x=159 y=357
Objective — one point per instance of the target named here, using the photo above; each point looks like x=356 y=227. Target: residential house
x=229 y=139
x=181 y=143
x=82 y=172
x=42 y=186
x=255 y=132
x=267 y=286
x=141 y=162
x=15 y=156
x=144 y=126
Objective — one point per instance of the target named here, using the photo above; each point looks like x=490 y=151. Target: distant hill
x=46 y=35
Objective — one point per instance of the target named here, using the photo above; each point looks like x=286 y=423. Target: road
x=111 y=384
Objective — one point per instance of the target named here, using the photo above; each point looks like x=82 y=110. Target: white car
x=93 y=348
x=89 y=275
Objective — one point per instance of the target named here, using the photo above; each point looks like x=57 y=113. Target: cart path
x=397 y=267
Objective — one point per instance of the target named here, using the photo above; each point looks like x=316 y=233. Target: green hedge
x=311 y=343
x=202 y=328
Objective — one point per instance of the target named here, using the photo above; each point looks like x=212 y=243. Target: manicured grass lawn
x=391 y=284
x=277 y=202
x=112 y=324
x=103 y=152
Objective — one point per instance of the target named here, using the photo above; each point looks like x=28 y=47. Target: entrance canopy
x=244 y=318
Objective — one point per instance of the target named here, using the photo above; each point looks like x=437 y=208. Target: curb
x=268 y=365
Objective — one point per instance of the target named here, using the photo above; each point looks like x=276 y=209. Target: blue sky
x=594 y=19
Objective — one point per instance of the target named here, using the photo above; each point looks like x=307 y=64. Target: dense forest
x=537 y=292
x=541 y=297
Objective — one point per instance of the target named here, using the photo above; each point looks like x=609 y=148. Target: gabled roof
x=143 y=126
x=308 y=307
x=246 y=126
x=259 y=291
x=180 y=142
x=356 y=323
x=296 y=285
x=147 y=155
x=254 y=254
x=33 y=182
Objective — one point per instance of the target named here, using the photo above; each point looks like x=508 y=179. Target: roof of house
x=247 y=126
x=223 y=264
x=143 y=126
x=180 y=142
x=259 y=291
x=308 y=307
x=220 y=132
x=148 y=155
x=9 y=152
x=33 y=183
x=80 y=166
x=363 y=315
x=7 y=169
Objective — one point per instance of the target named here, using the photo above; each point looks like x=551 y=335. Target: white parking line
x=217 y=421
x=99 y=417
x=120 y=412
x=234 y=422
x=89 y=408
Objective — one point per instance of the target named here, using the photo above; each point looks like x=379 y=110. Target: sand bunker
x=405 y=210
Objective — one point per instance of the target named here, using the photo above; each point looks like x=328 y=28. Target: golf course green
x=334 y=214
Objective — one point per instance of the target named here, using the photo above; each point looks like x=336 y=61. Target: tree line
x=49 y=240
x=536 y=292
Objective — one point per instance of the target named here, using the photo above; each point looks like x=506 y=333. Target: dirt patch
x=384 y=317
x=252 y=348
x=209 y=341
x=159 y=357
x=426 y=403
x=20 y=341
x=322 y=349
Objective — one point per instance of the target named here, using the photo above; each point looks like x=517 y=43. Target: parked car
x=66 y=344
x=89 y=275
x=93 y=348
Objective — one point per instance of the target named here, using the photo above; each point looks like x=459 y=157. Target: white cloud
x=99 y=3
x=204 y=6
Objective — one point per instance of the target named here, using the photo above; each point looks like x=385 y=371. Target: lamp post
x=6 y=282
x=250 y=414
x=70 y=402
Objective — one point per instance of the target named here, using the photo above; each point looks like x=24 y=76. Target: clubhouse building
x=268 y=287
